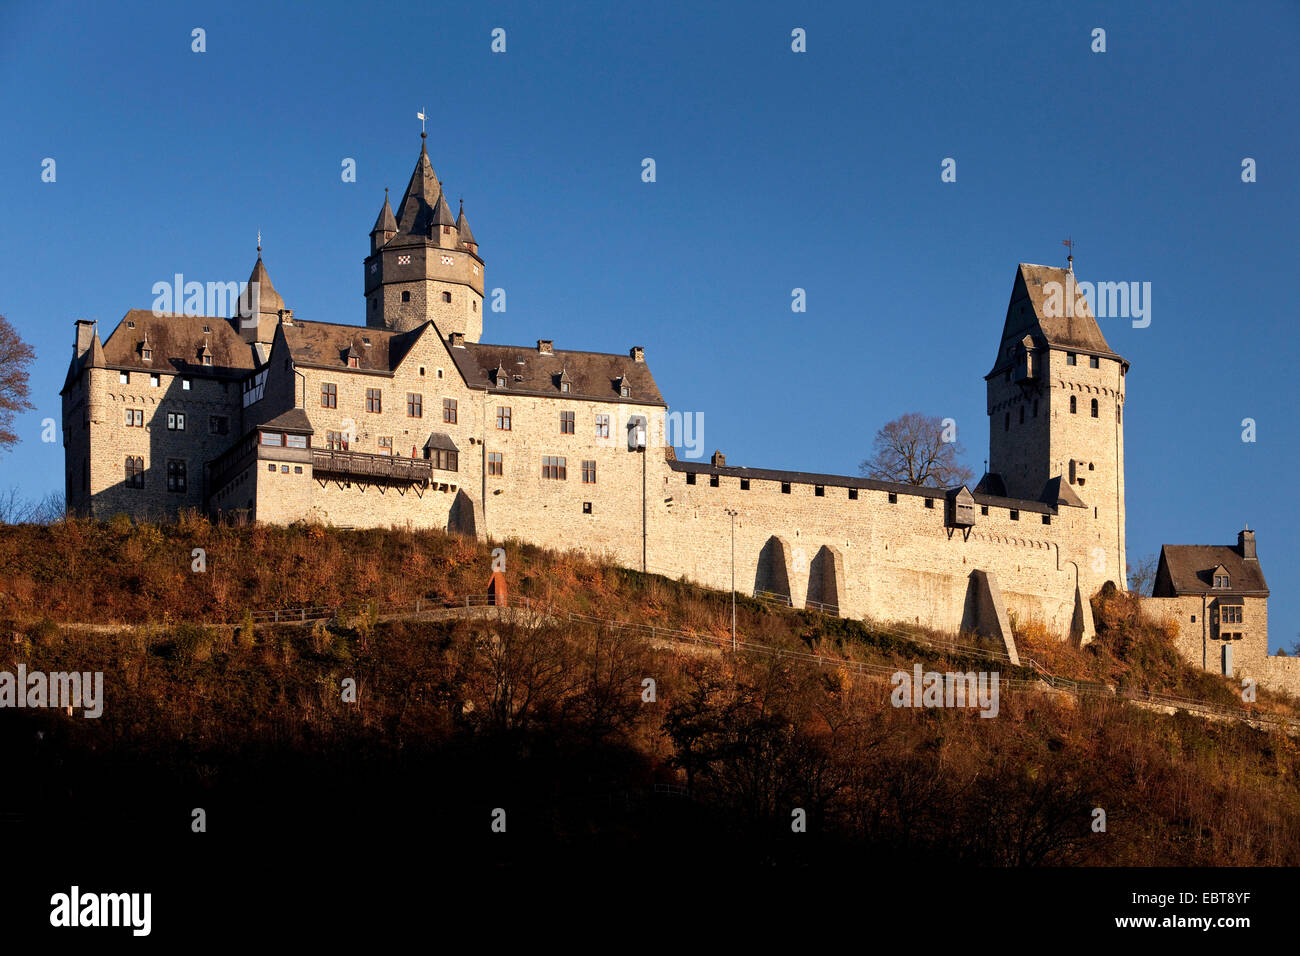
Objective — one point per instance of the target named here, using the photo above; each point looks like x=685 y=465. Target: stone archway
x=826 y=580
x=773 y=573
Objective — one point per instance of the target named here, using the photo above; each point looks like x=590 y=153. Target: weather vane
x=1069 y=244
x=420 y=117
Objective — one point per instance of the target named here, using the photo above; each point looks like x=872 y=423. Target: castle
x=412 y=420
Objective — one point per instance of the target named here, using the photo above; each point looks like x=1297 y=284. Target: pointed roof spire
x=268 y=300
x=462 y=226
x=416 y=210
x=385 y=221
x=442 y=212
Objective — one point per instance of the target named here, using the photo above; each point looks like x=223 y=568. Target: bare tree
x=1142 y=576
x=15 y=356
x=917 y=449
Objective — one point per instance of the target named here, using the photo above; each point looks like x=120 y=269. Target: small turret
x=463 y=231
x=385 y=226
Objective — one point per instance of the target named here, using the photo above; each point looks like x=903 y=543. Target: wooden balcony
x=359 y=466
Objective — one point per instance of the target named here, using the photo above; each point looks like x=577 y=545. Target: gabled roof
x=177 y=341
x=1189 y=569
x=440 y=441
x=415 y=213
x=442 y=212
x=326 y=345
x=591 y=375
x=1047 y=319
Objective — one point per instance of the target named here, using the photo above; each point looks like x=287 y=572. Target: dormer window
x=130 y=325
x=501 y=380
x=1222 y=581
x=564 y=386
x=207 y=360
x=146 y=353
x=354 y=362
x=207 y=330
x=625 y=392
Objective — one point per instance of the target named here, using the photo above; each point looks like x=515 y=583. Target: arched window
x=1094 y=408
x=1074 y=404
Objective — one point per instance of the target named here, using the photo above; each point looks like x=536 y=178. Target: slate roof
x=845 y=481
x=416 y=211
x=385 y=222
x=441 y=441
x=1027 y=315
x=176 y=341
x=326 y=344
x=1189 y=569
x=462 y=227
x=593 y=376
x=294 y=420
x=268 y=300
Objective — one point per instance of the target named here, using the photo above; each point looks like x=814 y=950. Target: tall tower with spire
x=1056 y=413
x=424 y=263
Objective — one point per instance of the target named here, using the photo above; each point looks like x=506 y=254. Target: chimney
x=545 y=347
x=637 y=353
x=85 y=335
x=1246 y=544
x=719 y=460
x=457 y=340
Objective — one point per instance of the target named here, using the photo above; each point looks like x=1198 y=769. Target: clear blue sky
x=775 y=171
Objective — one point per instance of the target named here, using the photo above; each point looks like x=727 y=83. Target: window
x=744 y=484
x=218 y=425
x=566 y=423
x=586 y=507
x=297 y=469
x=713 y=481
x=496 y=468
x=475 y=305
x=785 y=487
x=1094 y=362
x=406 y=296
x=1094 y=408
x=272 y=438
x=374 y=400
x=893 y=498
x=984 y=509
x=207 y=360
x=602 y=426
x=185 y=384
x=1047 y=519
x=690 y=477
x=449 y=408
x=154 y=380
x=1232 y=614
x=385 y=444
x=439 y=373
x=554 y=468
x=295 y=441
x=329 y=395
x=625 y=392
x=176 y=421
x=1015 y=515
x=354 y=361
x=853 y=494
x=819 y=491
x=929 y=502
x=1119 y=414
x=445 y=459
x=446 y=297
x=1074 y=404
x=1071 y=358
x=1221 y=581
x=588 y=472
x=146 y=354
x=284 y=469
x=134 y=471
x=175 y=475
x=124 y=378
x=135 y=418
x=503 y=418
x=414 y=405
x=336 y=441
x=271 y=467
x=421 y=371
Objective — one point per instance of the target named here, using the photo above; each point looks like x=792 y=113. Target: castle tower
x=260 y=306
x=1056 y=415
x=424 y=264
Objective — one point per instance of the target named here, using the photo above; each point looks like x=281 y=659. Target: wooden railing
x=355 y=464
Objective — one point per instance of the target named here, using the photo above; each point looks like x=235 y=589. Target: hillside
x=545 y=716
